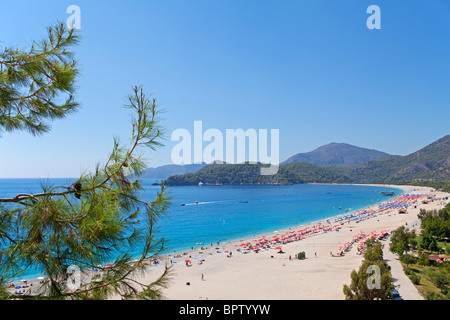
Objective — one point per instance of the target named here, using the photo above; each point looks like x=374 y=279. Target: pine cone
x=77 y=187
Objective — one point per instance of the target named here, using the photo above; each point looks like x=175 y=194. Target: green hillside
x=341 y=154
x=429 y=163
x=299 y=172
x=429 y=166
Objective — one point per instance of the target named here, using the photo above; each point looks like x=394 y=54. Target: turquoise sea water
x=225 y=213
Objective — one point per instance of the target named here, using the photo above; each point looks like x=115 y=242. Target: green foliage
x=435 y=296
x=97 y=219
x=428 y=242
x=415 y=278
x=245 y=173
x=374 y=251
x=339 y=154
x=439 y=278
x=312 y=173
x=38 y=84
x=233 y=174
x=423 y=259
x=401 y=239
x=435 y=224
x=359 y=288
x=408 y=259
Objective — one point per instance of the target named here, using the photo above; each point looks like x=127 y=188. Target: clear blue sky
x=311 y=69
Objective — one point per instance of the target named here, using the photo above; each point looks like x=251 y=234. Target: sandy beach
x=269 y=275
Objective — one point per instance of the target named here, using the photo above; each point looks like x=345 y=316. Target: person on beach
x=203 y=278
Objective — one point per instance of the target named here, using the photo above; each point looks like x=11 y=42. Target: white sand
x=268 y=275
x=258 y=276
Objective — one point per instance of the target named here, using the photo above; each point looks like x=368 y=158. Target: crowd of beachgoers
x=276 y=240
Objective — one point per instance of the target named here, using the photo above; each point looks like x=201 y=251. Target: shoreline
x=210 y=255
x=214 y=266
x=295 y=226
x=303 y=225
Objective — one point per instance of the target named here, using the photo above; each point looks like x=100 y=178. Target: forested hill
x=430 y=164
x=341 y=154
x=300 y=172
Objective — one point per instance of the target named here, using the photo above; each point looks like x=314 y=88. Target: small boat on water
x=183 y=204
x=245 y=201
x=387 y=193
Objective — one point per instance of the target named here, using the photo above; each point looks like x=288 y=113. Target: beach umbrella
x=278 y=248
x=187 y=261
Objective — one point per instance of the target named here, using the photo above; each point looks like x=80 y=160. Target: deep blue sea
x=225 y=213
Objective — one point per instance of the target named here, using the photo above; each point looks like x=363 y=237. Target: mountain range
x=335 y=163
x=429 y=163
x=341 y=154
